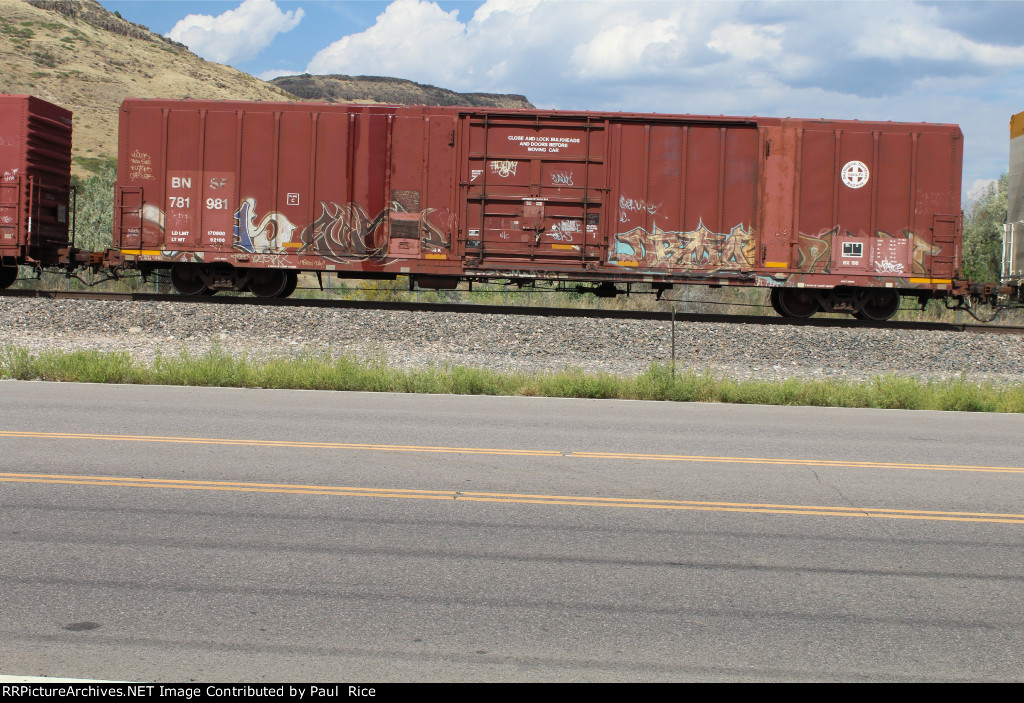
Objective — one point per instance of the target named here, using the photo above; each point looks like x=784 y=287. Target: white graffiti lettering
x=888 y=267
x=268 y=259
x=633 y=205
x=567 y=226
x=560 y=236
x=140 y=165
x=504 y=168
x=561 y=178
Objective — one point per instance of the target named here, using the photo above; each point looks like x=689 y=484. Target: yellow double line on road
x=473 y=496
x=282 y=443
x=800 y=462
x=521 y=498
x=289 y=444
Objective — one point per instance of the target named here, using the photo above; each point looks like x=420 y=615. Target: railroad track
x=536 y=311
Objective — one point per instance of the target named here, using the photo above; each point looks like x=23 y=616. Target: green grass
x=219 y=368
x=95 y=164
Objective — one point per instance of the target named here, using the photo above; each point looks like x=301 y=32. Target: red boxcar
x=35 y=182
x=834 y=215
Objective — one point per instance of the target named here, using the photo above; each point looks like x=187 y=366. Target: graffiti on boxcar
x=504 y=168
x=271 y=260
x=436 y=226
x=561 y=178
x=140 y=166
x=633 y=205
x=814 y=252
x=738 y=248
x=273 y=232
x=921 y=249
x=153 y=216
x=889 y=267
x=344 y=232
x=698 y=248
x=703 y=248
x=189 y=256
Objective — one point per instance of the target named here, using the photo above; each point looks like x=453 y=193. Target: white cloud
x=624 y=49
x=411 y=39
x=235 y=35
x=978 y=188
x=841 y=47
x=747 y=42
x=911 y=31
x=873 y=61
x=512 y=7
x=276 y=73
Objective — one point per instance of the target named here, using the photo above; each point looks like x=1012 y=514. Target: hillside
x=78 y=55
x=395 y=91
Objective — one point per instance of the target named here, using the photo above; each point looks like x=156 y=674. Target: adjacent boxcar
x=833 y=215
x=35 y=182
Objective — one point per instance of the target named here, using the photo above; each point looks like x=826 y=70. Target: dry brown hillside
x=78 y=55
x=396 y=91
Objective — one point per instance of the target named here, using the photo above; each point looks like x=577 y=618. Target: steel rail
x=534 y=311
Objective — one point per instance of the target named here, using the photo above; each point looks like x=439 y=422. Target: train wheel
x=268 y=283
x=796 y=302
x=293 y=283
x=8 y=275
x=880 y=305
x=775 y=302
x=187 y=279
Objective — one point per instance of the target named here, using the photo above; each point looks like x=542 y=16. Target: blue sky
x=959 y=62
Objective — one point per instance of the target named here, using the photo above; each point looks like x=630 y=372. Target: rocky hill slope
x=78 y=55
x=395 y=91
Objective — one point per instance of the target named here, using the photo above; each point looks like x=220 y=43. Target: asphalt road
x=175 y=534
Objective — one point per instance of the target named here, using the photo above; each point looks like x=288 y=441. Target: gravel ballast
x=508 y=342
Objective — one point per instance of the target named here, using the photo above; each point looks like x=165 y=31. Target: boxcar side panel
x=876 y=204
x=14 y=207
x=254 y=185
x=181 y=180
x=533 y=190
x=685 y=196
x=140 y=175
x=446 y=193
x=35 y=180
x=217 y=185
